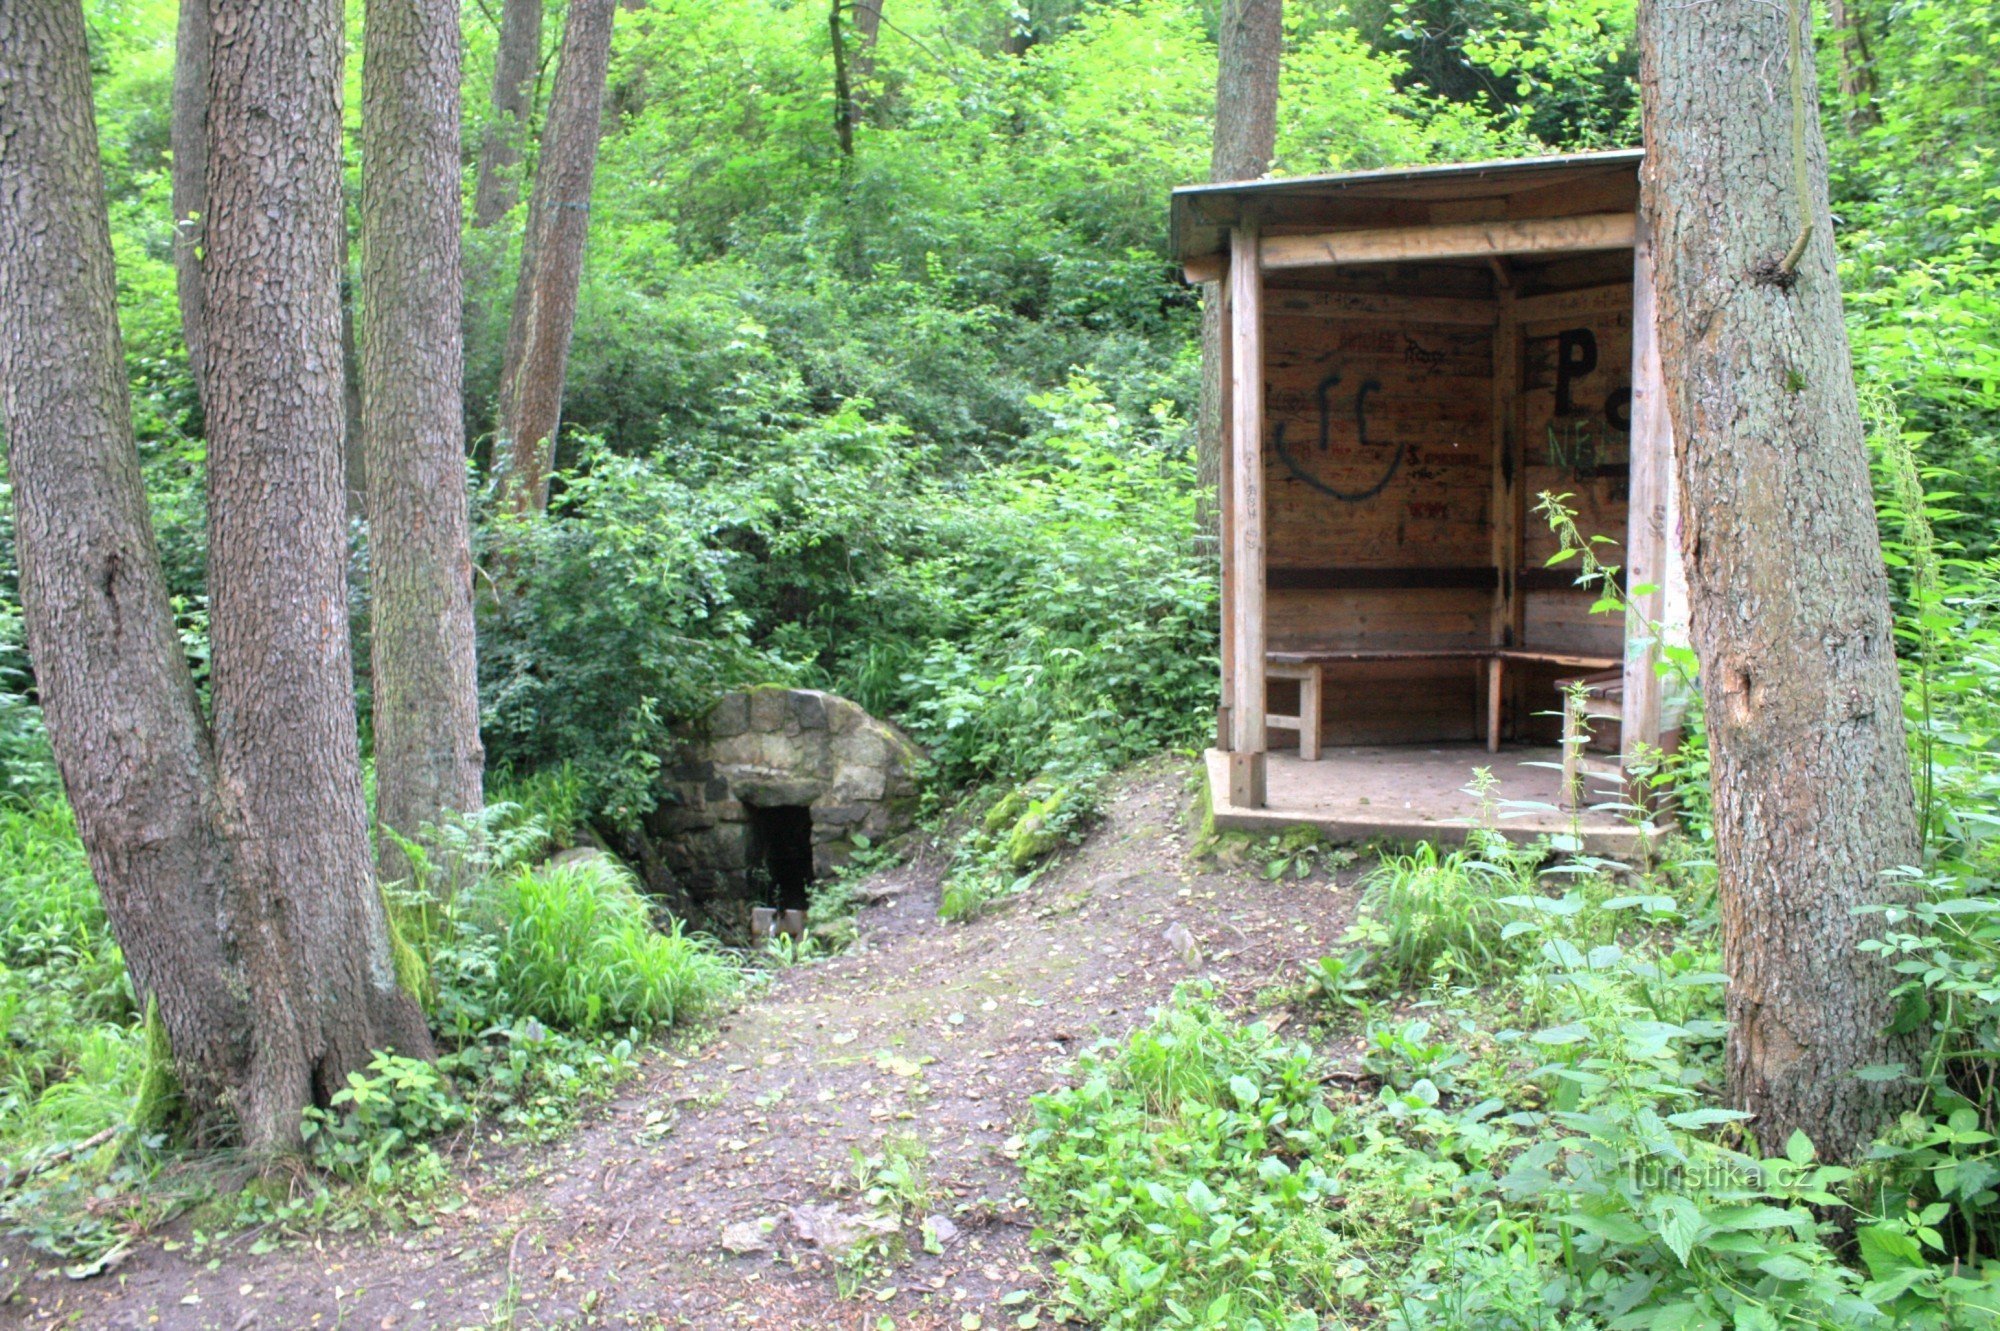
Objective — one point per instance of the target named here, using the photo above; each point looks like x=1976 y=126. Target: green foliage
x=68 y=1042
x=1181 y=1169
x=1429 y=913
x=397 y=1104
x=577 y=949
x=1005 y=849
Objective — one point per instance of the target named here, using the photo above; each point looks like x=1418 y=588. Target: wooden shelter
x=1413 y=358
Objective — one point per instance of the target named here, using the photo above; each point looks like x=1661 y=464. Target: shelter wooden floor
x=1417 y=792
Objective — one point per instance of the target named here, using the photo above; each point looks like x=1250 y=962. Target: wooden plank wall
x=1575 y=412
x=1379 y=456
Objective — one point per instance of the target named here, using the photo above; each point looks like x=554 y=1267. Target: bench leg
x=1310 y=691
x=1493 y=669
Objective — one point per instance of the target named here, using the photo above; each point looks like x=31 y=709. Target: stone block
x=844 y=717
x=829 y=856
x=770 y=708
x=775 y=792
x=862 y=748
x=855 y=782
x=829 y=818
x=730 y=717
x=808 y=709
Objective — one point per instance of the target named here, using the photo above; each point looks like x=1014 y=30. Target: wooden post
x=1495 y=672
x=1225 y=738
x=1648 y=539
x=1506 y=515
x=1245 y=627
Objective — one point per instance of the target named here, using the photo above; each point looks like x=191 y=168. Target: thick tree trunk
x=1857 y=65
x=1249 y=42
x=531 y=377
x=426 y=689
x=115 y=690
x=515 y=61
x=188 y=137
x=1789 y=599
x=281 y=672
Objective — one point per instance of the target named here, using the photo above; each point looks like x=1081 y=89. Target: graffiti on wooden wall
x=1324 y=396
x=1587 y=435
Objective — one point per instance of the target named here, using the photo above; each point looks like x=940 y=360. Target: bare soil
x=926 y=1030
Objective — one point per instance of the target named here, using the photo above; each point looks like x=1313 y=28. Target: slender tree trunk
x=531 y=377
x=1789 y=599
x=188 y=137
x=515 y=60
x=843 y=89
x=1857 y=66
x=426 y=689
x=1249 y=41
x=281 y=672
x=115 y=690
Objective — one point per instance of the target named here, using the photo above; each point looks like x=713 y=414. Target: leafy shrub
x=69 y=1051
x=1005 y=850
x=1185 y=1173
x=1427 y=911
x=576 y=948
x=397 y=1104
x=1081 y=626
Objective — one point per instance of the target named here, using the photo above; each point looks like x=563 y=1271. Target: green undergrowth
x=1003 y=838
x=1531 y=1135
x=541 y=982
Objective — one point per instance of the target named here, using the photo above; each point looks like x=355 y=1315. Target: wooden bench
x=1308 y=668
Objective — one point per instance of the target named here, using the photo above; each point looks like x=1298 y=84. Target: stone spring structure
x=770 y=799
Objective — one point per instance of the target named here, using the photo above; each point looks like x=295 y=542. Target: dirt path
x=925 y=1032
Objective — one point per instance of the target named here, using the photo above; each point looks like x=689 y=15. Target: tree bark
x=1789 y=598
x=281 y=671
x=426 y=690
x=515 y=61
x=1857 y=65
x=1249 y=42
x=861 y=63
x=544 y=317
x=355 y=463
x=116 y=694
x=188 y=138
x=843 y=89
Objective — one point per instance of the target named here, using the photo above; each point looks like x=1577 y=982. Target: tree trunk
x=531 y=376
x=281 y=671
x=426 y=689
x=1857 y=66
x=1249 y=41
x=1789 y=599
x=843 y=90
x=115 y=690
x=354 y=470
x=188 y=137
x=861 y=64
x=515 y=61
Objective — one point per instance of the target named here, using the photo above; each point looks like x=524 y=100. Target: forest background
x=905 y=413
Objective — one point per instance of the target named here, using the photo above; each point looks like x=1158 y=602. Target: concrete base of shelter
x=1418 y=792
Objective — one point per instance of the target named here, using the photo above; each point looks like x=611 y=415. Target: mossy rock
x=1007 y=812
x=1034 y=834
